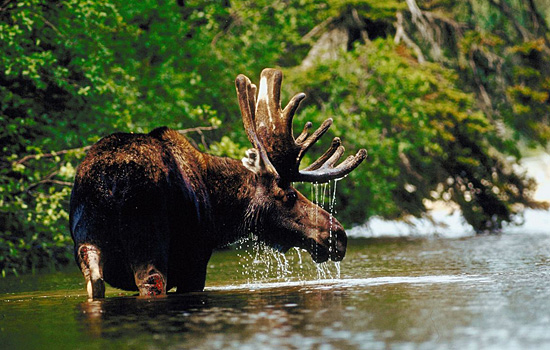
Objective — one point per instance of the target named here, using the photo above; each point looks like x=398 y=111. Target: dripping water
x=337 y=267
x=332 y=203
x=262 y=264
x=328 y=270
x=325 y=186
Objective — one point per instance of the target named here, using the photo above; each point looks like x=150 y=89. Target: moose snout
x=327 y=241
x=338 y=242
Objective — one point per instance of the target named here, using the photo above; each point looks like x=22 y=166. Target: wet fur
x=143 y=200
x=150 y=208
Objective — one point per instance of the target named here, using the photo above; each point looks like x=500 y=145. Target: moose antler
x=269 y=129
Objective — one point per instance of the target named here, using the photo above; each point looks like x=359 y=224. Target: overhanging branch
x=198 y=129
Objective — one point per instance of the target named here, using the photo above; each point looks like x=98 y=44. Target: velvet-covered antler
x=269 y=129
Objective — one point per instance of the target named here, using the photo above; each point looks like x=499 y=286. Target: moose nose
x=338 y=243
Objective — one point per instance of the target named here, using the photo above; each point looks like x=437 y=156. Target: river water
x=472 y=292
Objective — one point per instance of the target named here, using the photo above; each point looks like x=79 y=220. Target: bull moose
x=147 y=210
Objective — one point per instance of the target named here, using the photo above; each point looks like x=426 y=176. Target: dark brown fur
x=154 y=208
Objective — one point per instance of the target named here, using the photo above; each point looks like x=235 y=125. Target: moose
x=147 y=210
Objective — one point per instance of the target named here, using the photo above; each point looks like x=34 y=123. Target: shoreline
x=446 y=219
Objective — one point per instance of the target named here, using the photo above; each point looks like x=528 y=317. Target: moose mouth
x=334 y=248
x=320 y=247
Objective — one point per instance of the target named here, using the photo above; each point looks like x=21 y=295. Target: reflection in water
x=338 y=313
x=90 y=314
x=211 y=318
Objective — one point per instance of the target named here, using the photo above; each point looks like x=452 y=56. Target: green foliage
x=426 y=138
x=52 y=58
x=503 y=51
x=372 y=9
x=528 y=91
x=74 y=71
x=33 y=212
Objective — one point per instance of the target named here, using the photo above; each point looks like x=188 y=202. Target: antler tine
x=311 y=139
x=293 y=105
x=290 y=109
x=300 y=139
x=242 y=84
x=328 y=172
x=246 y=94
x=269 y=96
x=336 y=142
x=252 y=98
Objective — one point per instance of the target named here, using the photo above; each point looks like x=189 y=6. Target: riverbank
x=446 y=220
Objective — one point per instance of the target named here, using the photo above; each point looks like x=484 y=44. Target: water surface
x=488 y=292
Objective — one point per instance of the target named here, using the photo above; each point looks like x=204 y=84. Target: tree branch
x=425 y=28
x=509 y=13
x=221 y=33
x=541 y=28
x=5 y=5
x=400 y=34
x=49 y=24
x=360 y=24
x=198 y=129
x=51 y=154
x=318 y=28
x=525 y=33
x=48 y=181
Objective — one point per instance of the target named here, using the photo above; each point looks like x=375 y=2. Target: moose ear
x=252 y=161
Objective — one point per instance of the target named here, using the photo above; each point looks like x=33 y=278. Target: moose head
x=283 y=217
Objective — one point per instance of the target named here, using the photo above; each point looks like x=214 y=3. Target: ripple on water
x=338 y=283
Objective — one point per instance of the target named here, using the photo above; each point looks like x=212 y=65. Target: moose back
x=147 y=210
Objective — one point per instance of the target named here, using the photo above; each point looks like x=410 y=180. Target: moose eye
x=291 y=198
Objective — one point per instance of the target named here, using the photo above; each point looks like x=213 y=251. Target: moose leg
x=189 y=273
x=89 y=257
x=150 y=281
x=148 y=259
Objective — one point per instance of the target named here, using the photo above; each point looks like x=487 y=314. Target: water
x=488 y=292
